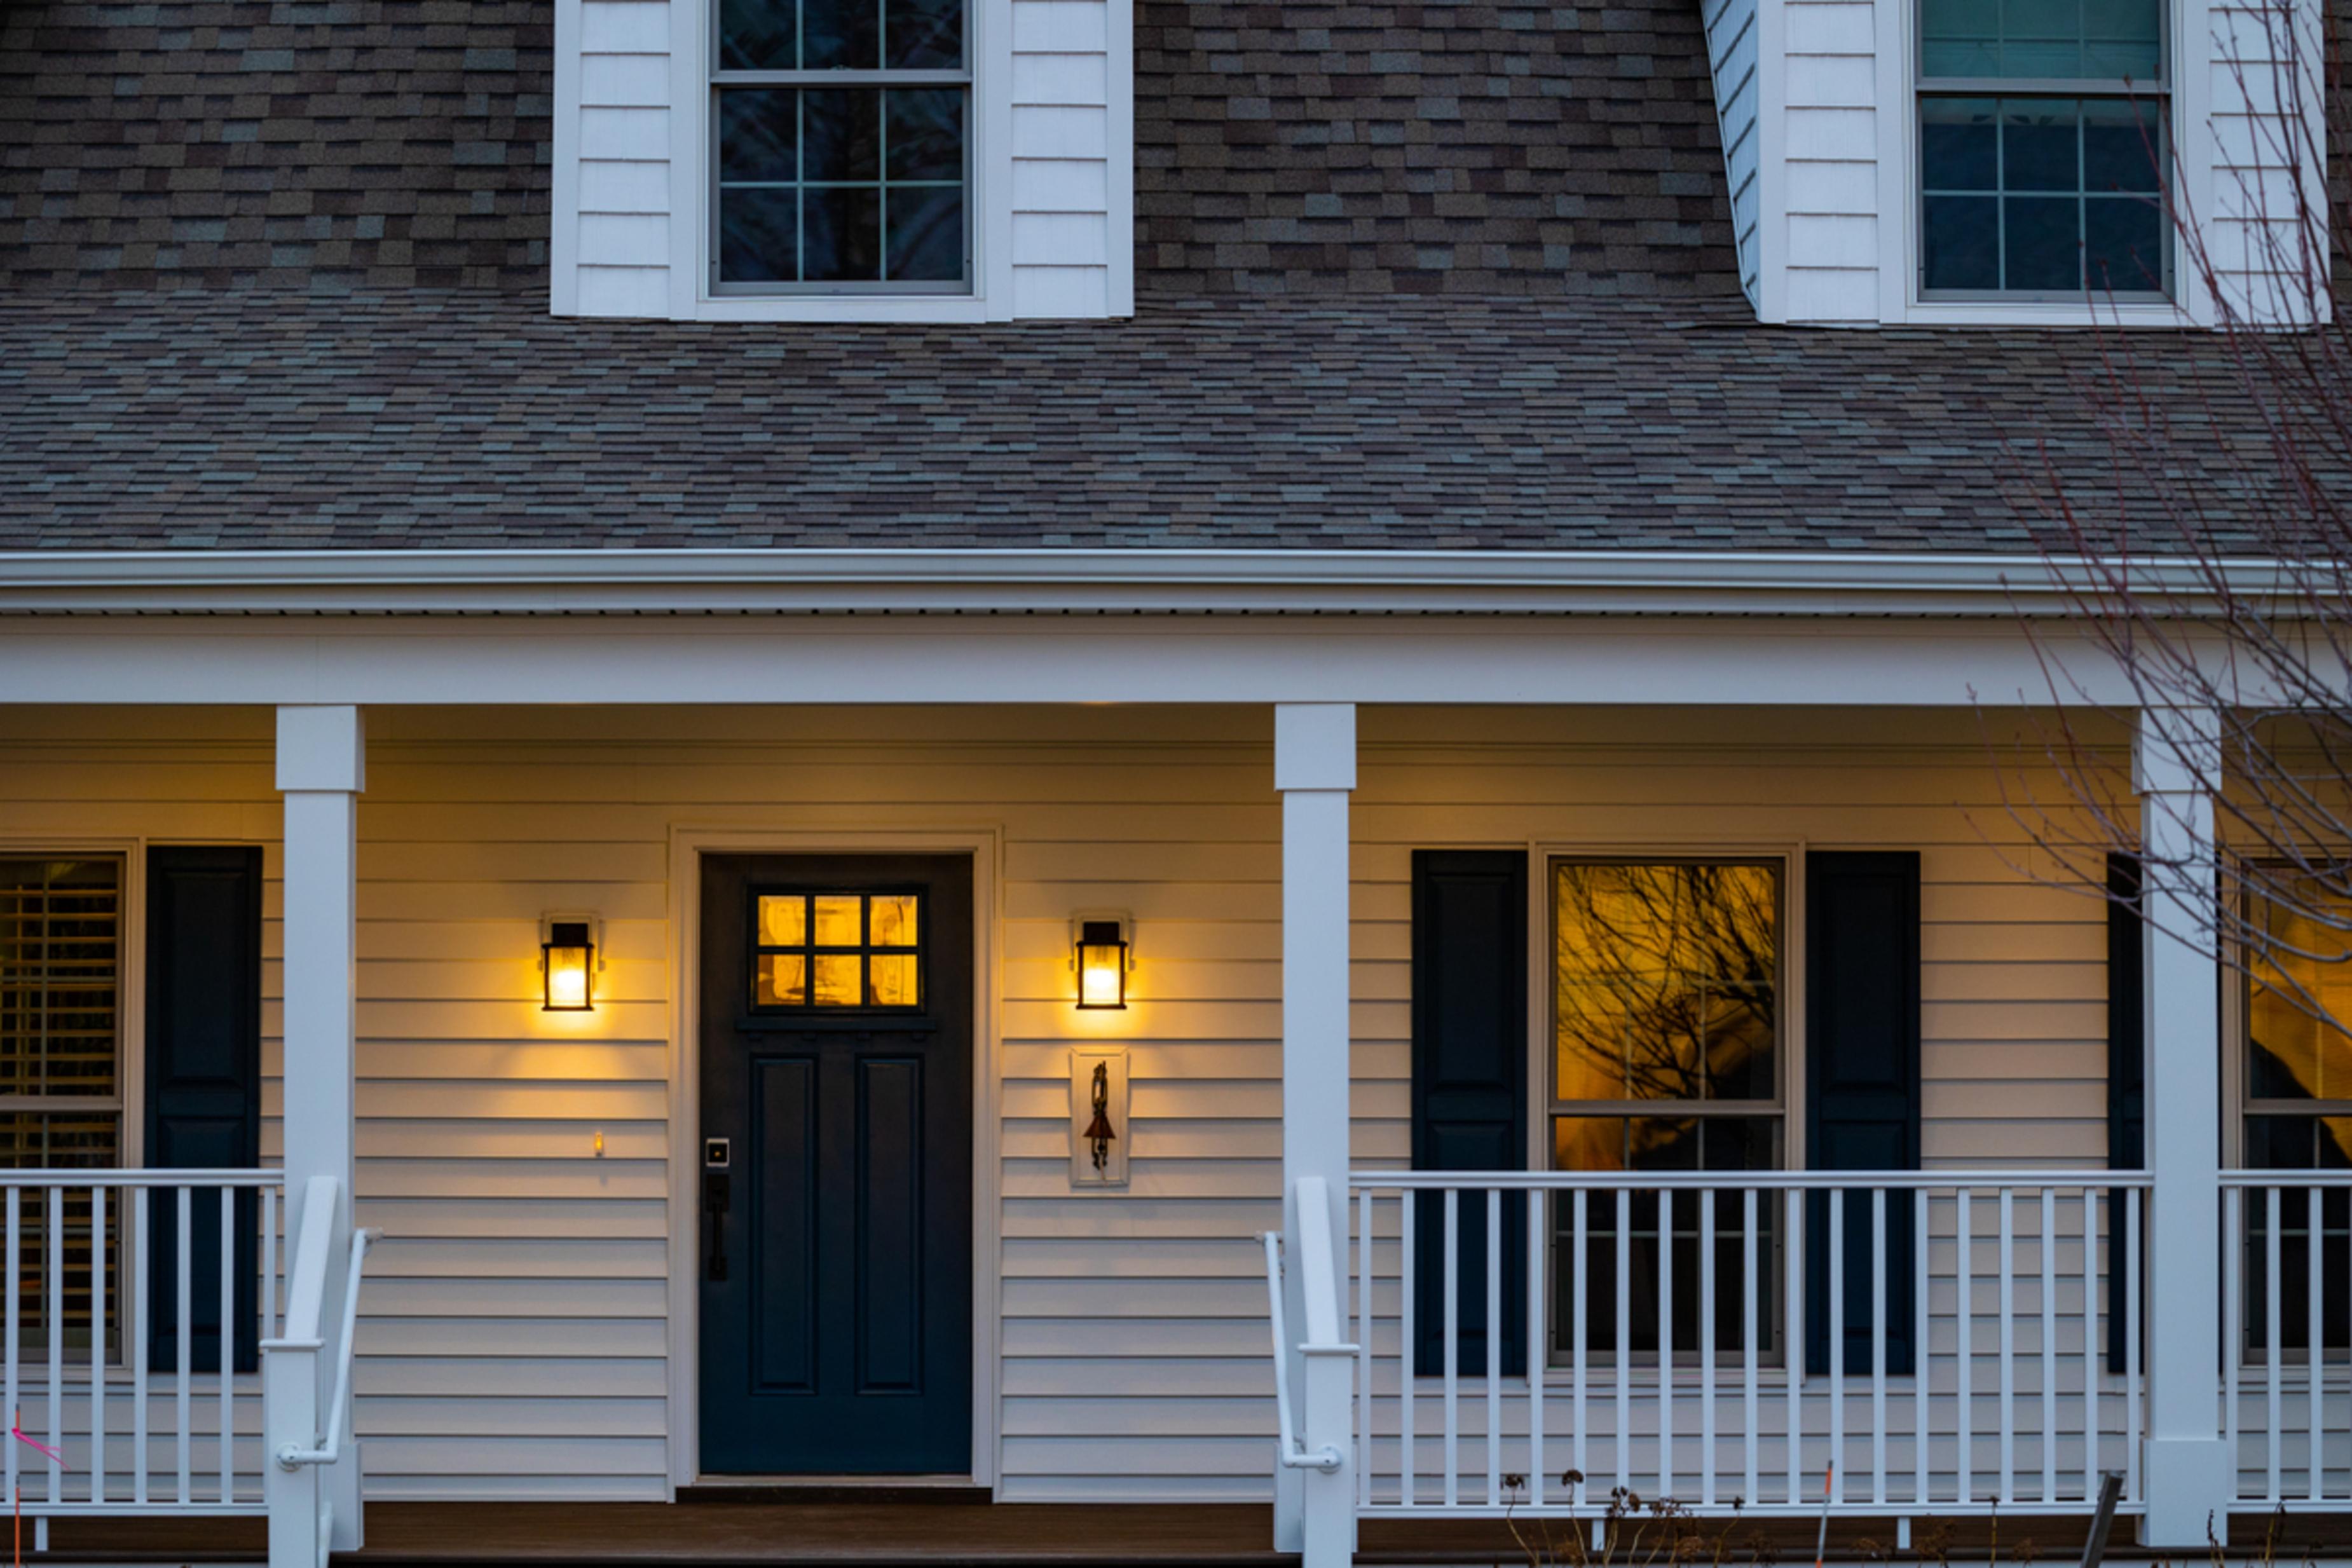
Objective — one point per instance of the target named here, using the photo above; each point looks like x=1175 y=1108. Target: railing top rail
x=2286 y=1179
x=1800 y=1181
x=85 y=1175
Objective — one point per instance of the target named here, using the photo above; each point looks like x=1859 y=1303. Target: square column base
x=2189 y=1490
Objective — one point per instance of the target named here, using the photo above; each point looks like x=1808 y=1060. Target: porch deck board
x=1037 y=1535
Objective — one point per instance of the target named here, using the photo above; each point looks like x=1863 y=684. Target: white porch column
x=322 y=769
x=2175 y=763
x=1314 y=771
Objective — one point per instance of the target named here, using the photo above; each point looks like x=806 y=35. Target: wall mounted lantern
x=1105 y=954
x=568 y=963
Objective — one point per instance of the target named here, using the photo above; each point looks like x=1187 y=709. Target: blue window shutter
x=1862 y=1048
x=2126 y=1059
x=1469 y=1087
x=204 y=1085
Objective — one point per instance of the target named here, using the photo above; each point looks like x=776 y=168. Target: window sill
x=939 y=309
x=2042 y=313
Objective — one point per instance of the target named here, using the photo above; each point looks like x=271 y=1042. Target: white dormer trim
x=1053 y=161
x=1838 y=241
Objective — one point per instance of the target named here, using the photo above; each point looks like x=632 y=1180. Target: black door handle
x=714 y=1216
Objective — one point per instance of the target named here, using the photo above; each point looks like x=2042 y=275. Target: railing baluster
x=1751 y=1353
x=1577 y=1357
x=1494 y=1347
x=2007 y=1307
x=226 y=1343
x=1707 y=1345
x=1538 y=1347
x=2234 y=1312
x=183 y=1338
x=1878 y=1327
x=2048 y=1274
x=1409 y=1277
x=1792 y=1339
x=1836 y=1307
x=15 y=1329
x=134 y=1344
x=1922 y=1363
x=1665 y=1341
x=2316 y=1356
x=2091 y=1357
x=2273 y=1335
x=268 y=1259
x=2134 y=1296
x=1364 y=1348
x=1964 y=1316
x=97 y=1344
x=55 y=1292
x=1622 y=1411
x=1452 y=1321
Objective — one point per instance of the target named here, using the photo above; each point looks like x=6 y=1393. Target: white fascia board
x=1029 y=581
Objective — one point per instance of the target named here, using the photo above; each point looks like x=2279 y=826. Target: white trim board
x=688 y=843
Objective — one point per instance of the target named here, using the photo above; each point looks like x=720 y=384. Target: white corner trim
x=1119 y=70
x=983 y=581
x=1771 y=161
x=563 y=198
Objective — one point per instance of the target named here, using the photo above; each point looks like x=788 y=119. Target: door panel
x=837 y=1074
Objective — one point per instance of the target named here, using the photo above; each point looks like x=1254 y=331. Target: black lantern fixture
x=568 y=962
x=1102 y=965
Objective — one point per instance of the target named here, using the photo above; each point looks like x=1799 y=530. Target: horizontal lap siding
x=1830 y=182
x=625 y=180
x=1062 y=158
x=516 y=1331
x=1731 y=48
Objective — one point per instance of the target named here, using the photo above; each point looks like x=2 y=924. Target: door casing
x=689 y=844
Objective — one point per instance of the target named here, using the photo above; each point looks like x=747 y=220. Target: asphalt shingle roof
x=292 y=419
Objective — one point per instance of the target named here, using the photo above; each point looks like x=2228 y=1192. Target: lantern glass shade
x=1102 y=965
x=570 y=966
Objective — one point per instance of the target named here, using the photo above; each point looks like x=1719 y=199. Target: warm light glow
x=570 y=959
x=1102 y=965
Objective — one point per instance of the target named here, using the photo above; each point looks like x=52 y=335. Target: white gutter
x=1031 y=581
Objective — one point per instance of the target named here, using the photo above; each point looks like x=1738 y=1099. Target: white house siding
x=1831 y=147
x=516 y=1329
x=1731 y=53
x=627 y=198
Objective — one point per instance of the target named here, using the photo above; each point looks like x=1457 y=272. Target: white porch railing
x=141 y=1432
x=1729 y=1365
x=2287 y=1313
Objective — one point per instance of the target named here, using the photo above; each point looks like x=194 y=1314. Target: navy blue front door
x=835 y=1245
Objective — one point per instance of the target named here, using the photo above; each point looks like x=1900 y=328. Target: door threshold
x=947 y=1490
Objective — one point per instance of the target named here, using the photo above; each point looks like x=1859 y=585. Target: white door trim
x=688 y=843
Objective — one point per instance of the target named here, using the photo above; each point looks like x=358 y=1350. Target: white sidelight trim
x=321 y=767
x=2175 y=771
x=1314 y=770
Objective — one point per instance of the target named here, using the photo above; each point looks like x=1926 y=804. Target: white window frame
x=2189 y=48
x=1790 y=857
x=694 y=191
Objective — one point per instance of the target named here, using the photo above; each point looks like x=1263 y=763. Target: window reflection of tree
x=1666 y=981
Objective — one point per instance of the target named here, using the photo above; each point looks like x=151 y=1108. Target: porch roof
x=262 y=418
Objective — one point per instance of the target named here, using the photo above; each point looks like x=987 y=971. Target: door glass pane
x=784 y=920
x=839 y=922
x=893 y=920
x=1665 y=981
x=783 y=980
x=838 y=978
x=894 y=980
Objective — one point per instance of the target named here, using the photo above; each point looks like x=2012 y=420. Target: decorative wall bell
x=1098 y=1131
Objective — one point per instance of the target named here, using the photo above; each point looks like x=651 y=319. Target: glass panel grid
x=2043 y=148
x=835 y=951
x=832 y=184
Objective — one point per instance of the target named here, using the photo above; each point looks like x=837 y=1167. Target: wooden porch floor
x=934 y=1535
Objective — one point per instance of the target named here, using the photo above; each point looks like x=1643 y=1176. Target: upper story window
x=842 y=147
x=2042 y=150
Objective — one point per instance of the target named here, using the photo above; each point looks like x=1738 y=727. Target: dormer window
x=842 y=152
x=2043 y=149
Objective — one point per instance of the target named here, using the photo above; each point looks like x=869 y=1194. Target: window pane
x=926 y=134
x=2040 y=145
x=1665 y=981
x=759 y=235
x=759 y=135
x=844 y=130
x=756 y=34
x=1962 y=246
x=923 y=35
x=784 y=920
x=840 y=34
x=894 y=919
x=783 y=980
x=838 y=981
x=2026 y=39
x=839 y=922
x=1959 y=38
x=61 y=983
x=841 y=234
x=2042 y=243
x=2123 y=244
x=2122 y=146
x=2290 y=1054
x=893 y=980
x=1959 y=144
x=2122 y=38
x=926 y=234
